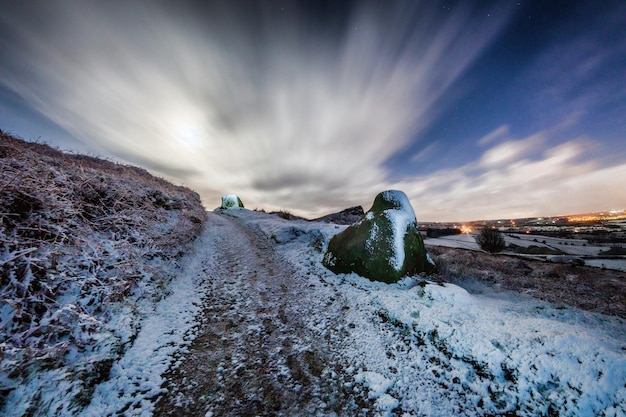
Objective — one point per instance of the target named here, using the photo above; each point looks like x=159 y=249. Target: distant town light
x=466 y=229
x=593 y=217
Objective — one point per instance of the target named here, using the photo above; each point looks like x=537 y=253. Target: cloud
x=560 y=180
x=424 y=153
x=269 y=105
x=494 y=135
x=510 y=151
x=290 y=112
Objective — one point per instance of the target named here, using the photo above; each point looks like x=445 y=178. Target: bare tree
x=490 y=240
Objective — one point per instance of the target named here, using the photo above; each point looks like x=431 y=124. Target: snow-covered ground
x=616 y=264
x=413 y=348
x=569 y=246
x=438 y=350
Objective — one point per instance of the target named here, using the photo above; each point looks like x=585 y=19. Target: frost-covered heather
x=86 y=247
x=424 y=349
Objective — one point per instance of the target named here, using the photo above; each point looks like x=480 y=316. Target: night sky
x=481 y=110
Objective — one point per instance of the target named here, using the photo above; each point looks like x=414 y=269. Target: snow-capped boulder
x=384 y=245
x=231 y=202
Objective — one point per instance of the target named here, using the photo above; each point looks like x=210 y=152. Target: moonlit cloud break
x=286 y=110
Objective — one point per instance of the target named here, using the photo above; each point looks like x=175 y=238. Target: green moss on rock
x=384 y=245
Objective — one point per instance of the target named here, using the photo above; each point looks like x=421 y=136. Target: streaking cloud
x=300 y=108
x=266 y=106
x=534 y=181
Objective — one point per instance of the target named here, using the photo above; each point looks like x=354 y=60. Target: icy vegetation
x=86 y=249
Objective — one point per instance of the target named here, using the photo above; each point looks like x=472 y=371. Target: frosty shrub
x=81 y=239
x=490 y=240
x=284 y=214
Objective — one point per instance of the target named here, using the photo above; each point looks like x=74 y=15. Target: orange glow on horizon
x=466 y=229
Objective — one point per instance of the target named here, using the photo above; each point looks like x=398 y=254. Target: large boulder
x=231 y=202
x=384 y=245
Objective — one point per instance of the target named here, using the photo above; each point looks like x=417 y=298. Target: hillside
x=86 y=247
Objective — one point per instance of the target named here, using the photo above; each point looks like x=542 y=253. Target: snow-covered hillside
x=86 y=249
x=415 y=348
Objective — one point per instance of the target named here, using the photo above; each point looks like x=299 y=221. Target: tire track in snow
x=252 y=354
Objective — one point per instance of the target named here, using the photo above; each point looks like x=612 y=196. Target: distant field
x=540 y=247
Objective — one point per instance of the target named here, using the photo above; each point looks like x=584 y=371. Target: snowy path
x=253 y=354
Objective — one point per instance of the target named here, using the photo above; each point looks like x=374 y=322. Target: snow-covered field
x=463 y=241
x=574 y=247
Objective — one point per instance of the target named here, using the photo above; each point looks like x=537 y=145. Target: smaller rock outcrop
x=348 y=216
x=384 y=245
x=231 y=201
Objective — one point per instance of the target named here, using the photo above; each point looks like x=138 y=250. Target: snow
x=413 y=348
x=616 y=264
x=377 y=386
x=377 y=383
x=370 y=244
x=569 y=246
x=385 y=404
x=529 y=353
x=438 y=350
x=464 y=241
x=135 y=380
x=400 y=218
x=402 y=202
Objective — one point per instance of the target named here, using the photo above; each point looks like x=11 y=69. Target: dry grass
x=78 y=235
x=587 y=288
x=287 y=215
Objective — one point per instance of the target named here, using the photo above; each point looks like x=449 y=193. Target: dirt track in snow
x=253 y=354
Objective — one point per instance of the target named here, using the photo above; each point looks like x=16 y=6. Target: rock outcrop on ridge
x=348 y=216
x=384 y=245
x=231 y=202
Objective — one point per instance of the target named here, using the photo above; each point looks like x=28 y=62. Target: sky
x=484 y=110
